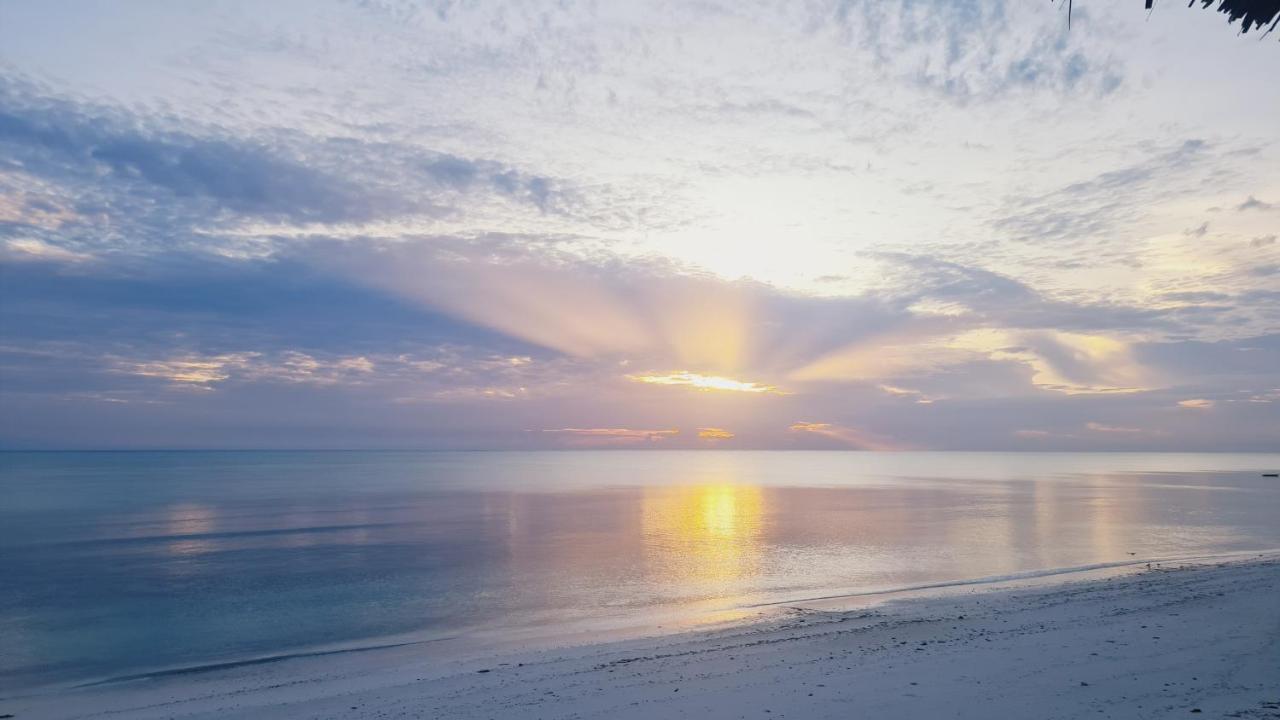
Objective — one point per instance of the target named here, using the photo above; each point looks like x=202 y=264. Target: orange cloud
x=851 y=437
x=607 y=437
x=712 y=433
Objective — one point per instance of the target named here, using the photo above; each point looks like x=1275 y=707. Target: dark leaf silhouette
x=1250 y=13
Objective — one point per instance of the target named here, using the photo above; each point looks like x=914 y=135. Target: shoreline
x=963 y=640
x=653 y=624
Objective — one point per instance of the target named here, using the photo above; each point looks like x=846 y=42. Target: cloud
x=1101 y=428
x=954 y=295
x=601 y=305
x=729 y=334
x=914 y=395
x=743 y=336
x=609 y=437
x=29 y=204
x=1063 y=362
x=60 y=139
x=89 y=173
x=1070 y=363
x=381 y=252
x=1265 y=397
x=205 y=371
x=191 y=370
x=704 y=382
x=1197 y=297
x=445 y=374
x=748 y=337
x=712 y=433
x=1254 y=203
x=969 y=51
x=313 y=326
x=1032 y=434
x=843 y=435
x=1091 y=207
x=33 y=250
x=1196 y=403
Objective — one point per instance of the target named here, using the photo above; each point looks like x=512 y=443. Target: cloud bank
x=843 y=225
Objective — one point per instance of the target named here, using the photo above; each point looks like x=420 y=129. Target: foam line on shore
x=1027 y=575
x=262 y=660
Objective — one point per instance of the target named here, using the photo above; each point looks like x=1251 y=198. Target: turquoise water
x=124 y=563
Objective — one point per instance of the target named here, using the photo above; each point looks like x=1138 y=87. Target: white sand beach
x=1181 y=638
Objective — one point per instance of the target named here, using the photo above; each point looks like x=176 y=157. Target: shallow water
x=121 y=563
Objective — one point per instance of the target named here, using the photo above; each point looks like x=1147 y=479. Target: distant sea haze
x=120 y=564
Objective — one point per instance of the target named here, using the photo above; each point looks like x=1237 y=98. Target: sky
x=891 y=225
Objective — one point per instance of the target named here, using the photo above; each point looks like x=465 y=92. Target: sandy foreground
x=1196 y=640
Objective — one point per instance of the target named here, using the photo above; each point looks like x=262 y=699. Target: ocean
x=125 y=563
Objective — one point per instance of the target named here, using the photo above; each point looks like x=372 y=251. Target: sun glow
x=706 y=382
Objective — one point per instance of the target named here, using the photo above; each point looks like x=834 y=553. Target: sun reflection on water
x=704 y=533
x=186 y=522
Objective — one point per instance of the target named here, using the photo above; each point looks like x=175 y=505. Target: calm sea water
x=119 y=563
